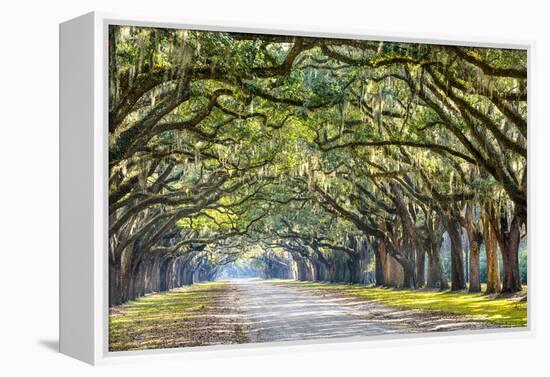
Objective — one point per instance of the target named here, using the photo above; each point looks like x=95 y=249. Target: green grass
x=156 y=320
x=509 y=312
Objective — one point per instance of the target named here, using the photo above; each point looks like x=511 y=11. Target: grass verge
x=187 y=316
x=507 y=312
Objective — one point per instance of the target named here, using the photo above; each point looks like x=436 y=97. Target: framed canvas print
x=225 y=186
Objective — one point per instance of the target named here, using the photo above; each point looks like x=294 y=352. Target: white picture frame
x=83 y=188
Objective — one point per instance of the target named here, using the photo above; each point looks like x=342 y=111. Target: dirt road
x=277 y=312
x=252 y=311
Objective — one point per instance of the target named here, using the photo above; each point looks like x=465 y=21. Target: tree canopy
x=340 y=156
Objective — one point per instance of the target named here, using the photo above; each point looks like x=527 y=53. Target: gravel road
x=278 y=312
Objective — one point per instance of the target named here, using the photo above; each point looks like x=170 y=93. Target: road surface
x=278 y=312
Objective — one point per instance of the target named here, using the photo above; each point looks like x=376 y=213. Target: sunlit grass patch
x=155 y=321
x=509 y=312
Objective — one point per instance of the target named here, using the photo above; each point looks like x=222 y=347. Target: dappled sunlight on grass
x=155 y=321
x=509 y=312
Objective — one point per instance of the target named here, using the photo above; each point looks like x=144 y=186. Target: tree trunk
x=433 y=276
x=379 y=253
x=493 y=273
x=410 y=277
x=466 y=260
x=114 y=284
x=436 y=275
x=121 y=276
x=458 y=281
x=408 y=274
x=408 y=267
x=511 y=282
x=354 y=269
x=474 y=241
x=420 y=268
x=475 y=278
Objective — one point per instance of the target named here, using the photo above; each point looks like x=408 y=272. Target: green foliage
x=262 y=135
